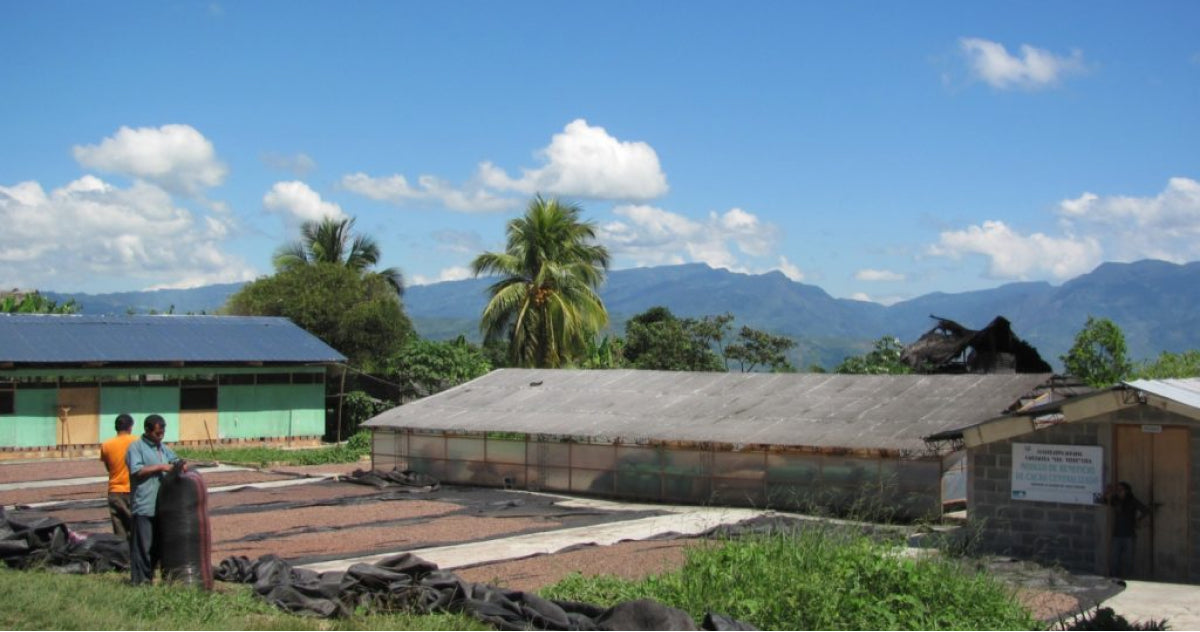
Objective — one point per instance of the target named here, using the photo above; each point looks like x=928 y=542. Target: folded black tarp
x=408 y=583
x=31 y=539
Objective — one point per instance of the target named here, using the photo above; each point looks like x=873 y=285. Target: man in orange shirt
x=112 y=452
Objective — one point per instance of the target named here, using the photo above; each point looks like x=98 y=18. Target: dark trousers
x=122 y=517
x=1120 y=561
x=143 y=550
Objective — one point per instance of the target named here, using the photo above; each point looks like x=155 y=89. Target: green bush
x=818 y=579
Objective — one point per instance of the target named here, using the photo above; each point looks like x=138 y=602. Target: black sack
x=182 y=530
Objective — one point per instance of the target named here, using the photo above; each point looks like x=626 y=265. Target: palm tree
x=331 y=241
x=546 y=304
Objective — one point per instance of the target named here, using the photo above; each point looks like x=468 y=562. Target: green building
x=63 y=379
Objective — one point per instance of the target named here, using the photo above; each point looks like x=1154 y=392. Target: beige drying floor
x=330 y=519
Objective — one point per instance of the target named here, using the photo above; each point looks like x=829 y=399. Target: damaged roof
x=887 y=413
x=44 y=339
x=952 y=348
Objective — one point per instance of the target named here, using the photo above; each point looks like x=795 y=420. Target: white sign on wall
x=1057 y=473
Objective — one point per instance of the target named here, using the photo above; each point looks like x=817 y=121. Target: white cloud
x=586 y=162
x=175 y=157
x=397 y=190
x=1165 y=226
x=297 y=203
x=298 y=164
x=1035 y=68
x=90 y=229
x=453 y=273
x=1016 y=256
x=652 y=236
x=459 y=241
x=789 y=269
x=869 y=274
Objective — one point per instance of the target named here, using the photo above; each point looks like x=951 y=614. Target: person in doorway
x=1128 y=511
x=112 y=453
x=149 y=461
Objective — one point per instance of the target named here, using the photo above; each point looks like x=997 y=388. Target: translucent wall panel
x=465 y=449
x=687 y=489
x=548 y=454
x=504 y=451
x=748 y=465
x=686 y=462
x=600 y=482
x=426 y=446
x=643 y=482
x=727 y=491
x=594 y=457
x=794 y=468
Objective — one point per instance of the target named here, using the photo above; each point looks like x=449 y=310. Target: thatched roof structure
x=951 y=348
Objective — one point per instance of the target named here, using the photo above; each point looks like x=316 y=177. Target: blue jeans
x=1120 y=562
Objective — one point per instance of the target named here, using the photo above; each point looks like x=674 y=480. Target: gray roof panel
x=873 y=412
x=33 y=339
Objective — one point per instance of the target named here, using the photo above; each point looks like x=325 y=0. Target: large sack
x=182 y=529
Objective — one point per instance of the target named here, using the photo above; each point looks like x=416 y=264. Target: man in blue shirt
x=149 y=461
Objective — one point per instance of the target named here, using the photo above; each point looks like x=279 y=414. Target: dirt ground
x=332 y=519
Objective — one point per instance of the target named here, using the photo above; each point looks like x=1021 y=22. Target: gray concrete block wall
x=1058 y=533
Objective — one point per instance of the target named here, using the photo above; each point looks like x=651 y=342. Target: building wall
x=1075 y=536
x=785 y=479
x=245 y=409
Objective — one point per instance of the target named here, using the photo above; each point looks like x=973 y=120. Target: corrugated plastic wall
x=798 y=480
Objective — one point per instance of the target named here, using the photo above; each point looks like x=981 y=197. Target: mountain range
x=1154 y=302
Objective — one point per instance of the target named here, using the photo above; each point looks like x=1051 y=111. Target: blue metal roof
x=57 y=339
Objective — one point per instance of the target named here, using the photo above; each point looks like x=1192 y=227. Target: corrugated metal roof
x=869 y=412
x=56 y=339
x=1183 y=390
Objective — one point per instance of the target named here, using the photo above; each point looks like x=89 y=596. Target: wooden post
x=212 y=449
x=341 y=398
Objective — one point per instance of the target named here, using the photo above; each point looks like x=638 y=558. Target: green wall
x=271 y=410
x=244 y=411
x=139 y=402
x=34 y=422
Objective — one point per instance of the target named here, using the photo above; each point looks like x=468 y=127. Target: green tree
x=1170 y=365
x=884 y=359
x=424 y=367
x=657 y=340
x=1098 y=355
x=35 y=303
x=546 y=303
x=360 y=316
x=333 y=241
x=757 y=348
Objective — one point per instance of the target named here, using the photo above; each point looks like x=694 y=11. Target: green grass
x=818 y=579
x=349 y=452
x=37 y=600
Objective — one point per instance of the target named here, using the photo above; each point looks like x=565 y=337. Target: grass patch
x=37 y=600
x=351 y=451
x=818 y=579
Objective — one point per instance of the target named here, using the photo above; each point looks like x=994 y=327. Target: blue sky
x=878 y=150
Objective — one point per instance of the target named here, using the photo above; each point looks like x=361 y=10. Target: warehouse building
x=841 y=443
x=64 y=378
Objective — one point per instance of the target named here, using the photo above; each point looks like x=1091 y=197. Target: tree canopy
x=35 y=303
x=1098 y=356
x=360 y=316
x=546 y=303
x=424 y=367
x=1170 y=365
x=333 y=241
x=657 y=340
x=883 y=359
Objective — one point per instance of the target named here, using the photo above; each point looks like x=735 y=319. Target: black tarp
x=408 y=583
